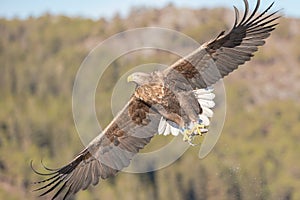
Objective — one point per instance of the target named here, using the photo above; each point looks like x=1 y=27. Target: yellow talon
x=189 y=134
x=198 y=128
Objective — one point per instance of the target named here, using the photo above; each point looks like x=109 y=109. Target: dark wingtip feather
x=261 y=14
x=51 y=189
x=45 y=180
x=39 y=173
x=253 y=13
x=246 y=12
x=47 y=185
x=59 y=191
x=67 y=193
x=237 y=16
x=47 y=168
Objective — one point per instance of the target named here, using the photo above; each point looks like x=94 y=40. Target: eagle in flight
x=176 y=100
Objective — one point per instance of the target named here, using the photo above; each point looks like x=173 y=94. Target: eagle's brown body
x=167 y=94
x=176 y=104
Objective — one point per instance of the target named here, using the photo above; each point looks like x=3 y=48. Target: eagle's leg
x=197 y=129
x=187 y=136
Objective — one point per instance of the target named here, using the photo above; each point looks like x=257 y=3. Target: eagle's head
x=139 y=78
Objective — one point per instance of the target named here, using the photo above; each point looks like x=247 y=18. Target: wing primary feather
x=261 y=14
x=39 y=173
x=52 y=188
x=263 y=24
x=45 y=180
x=59 y=191
x=48 y=184
x=253 y=13
x=257 y=23
x=263 y=29
x=47 y=168
x=258 y=32
x=237 y=16
x=78 y=183
x=258 y=37
x=267 y=17
x=246 y=12
x=67 y=193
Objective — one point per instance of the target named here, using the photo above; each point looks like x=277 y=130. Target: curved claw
x=189 y=134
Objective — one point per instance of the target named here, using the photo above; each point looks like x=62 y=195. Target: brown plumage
x=110 y=152
x=167 y=93
x=217 y=58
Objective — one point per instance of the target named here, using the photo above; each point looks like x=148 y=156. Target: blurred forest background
x=257 y=156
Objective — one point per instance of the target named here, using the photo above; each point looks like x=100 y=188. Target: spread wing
x=217 y=58
x=107 y=154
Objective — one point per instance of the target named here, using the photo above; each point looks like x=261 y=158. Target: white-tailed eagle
x=176 y=100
